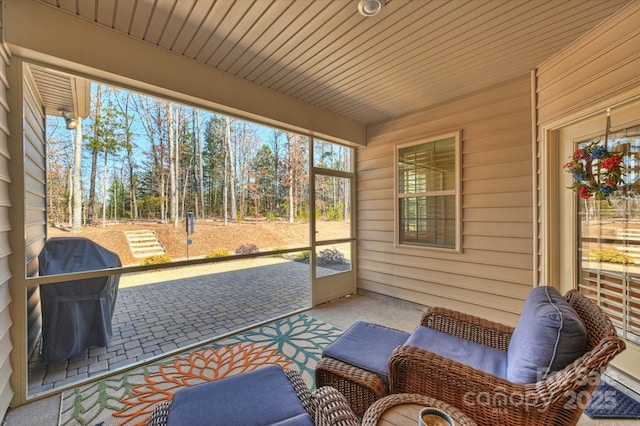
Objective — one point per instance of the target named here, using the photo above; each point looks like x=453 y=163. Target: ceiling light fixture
x=370 y=7
x=71 y=122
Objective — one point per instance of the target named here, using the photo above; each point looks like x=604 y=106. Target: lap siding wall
x=6 y=391
x=494 y=273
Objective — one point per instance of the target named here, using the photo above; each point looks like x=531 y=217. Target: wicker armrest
x=361 y=388
x=304 y=395
x=160 y=414
x=469 y=327
x=332 y=408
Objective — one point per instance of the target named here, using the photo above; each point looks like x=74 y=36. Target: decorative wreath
x=596 y=171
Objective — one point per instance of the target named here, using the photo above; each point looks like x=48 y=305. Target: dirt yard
x=209 y=236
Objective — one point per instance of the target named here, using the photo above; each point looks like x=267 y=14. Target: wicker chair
x=489 y=400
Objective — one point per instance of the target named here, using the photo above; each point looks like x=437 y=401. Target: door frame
x=554 y=234
x=324 y=289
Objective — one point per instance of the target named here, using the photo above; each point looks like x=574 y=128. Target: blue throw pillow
x=549 y=336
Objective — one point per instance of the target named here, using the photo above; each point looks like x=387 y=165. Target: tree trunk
x=77 y=180
x=184 y=191
x=291 y=205
x=163 y=209
x=132 y=188
x=292 y=179
x=225 y=190
x=115 y=193
x=176 y=143
x=276 y=174
x=70 y=197
x=104 y=191
x=200 y=164
x=173 y=215
x=231 y=172
x=94 y=157
x=130 y=160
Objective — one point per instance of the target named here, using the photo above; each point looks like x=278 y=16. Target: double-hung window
x=428 y=193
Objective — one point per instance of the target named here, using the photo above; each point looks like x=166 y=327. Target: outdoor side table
x=403 y=408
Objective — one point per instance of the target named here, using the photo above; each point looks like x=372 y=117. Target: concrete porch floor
x=340 y=313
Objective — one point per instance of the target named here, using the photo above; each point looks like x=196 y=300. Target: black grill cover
x=76 y=314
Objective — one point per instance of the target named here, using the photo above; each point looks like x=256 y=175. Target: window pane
x=427 y=167
x=333 y=259
x=333 y=208
x=609 y=240
x=427 y=191
x=428 y=221
x=331 y=156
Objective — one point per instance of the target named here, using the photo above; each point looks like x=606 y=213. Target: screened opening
x=207 y=216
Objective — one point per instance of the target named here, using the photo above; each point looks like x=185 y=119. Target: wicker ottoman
x=268 y=395
x=356 y=363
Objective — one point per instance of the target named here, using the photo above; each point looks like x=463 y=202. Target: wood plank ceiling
x=414 y=54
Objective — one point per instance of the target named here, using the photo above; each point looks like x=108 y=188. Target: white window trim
x=457 y=135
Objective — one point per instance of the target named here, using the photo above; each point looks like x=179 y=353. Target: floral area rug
x=128 y=399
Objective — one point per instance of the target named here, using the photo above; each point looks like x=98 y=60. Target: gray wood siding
x=494 y=273
x=6 y=345
x=34 y=199
x=597 y=70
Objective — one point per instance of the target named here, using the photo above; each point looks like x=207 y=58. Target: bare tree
x=70 y=197
x=94 y=146
x=229 y=176
x=295 y=167
x=110 y=132
x=276 y=168
x=246 y=145
x=200 y=161
x=173 y=165
x=77 y=179
x=152 y=118
x=124 y=103
x=58 y=174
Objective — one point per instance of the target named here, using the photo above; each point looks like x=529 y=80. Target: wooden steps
x=143 y=243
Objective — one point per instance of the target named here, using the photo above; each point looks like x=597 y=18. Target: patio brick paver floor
x=161 y=311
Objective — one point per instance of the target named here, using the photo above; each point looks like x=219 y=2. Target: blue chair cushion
x=299 y=420
x=264 y=396
x=367 y=346
x=481 y=357
x=549 y=336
